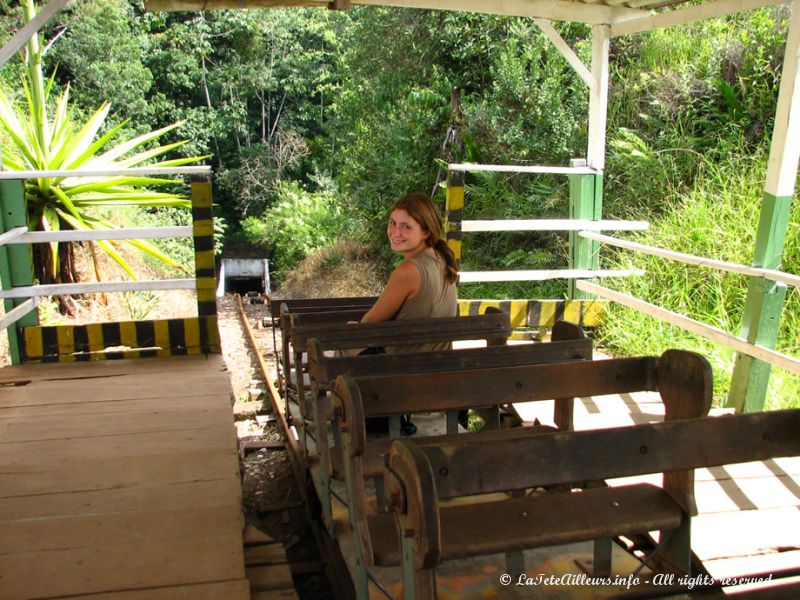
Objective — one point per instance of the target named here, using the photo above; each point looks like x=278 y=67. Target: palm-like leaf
x=62 y=144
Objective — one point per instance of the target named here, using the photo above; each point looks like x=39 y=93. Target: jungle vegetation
x=317 y=120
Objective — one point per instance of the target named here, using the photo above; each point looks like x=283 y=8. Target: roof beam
x=557 y=10
x=29 y=29
x=191 y=5
x=624 y=25
x=546 y=27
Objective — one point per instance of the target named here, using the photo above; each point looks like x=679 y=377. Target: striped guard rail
x=123 y=339
x=541 y=313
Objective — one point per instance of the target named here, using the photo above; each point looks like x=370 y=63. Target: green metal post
x=763 y=307
x=585 y=202
x=16 y=264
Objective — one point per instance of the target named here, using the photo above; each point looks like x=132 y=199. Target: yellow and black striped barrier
x=123 y=339
x=541 y=313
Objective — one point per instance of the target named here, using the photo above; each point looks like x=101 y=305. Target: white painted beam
x=720 y=265
x=473 y=168
x=598 y=98
x=94 y=287
x=551 y=225
x=129 y=172
x=558 y=10
x=178 y=5
x=707 y=331
x=28 y=30
x=19 y=311
x=784 y=151
x=9 y=236
x=542 y=275
x=624 y=25
x=89 y=235
x=568 y=53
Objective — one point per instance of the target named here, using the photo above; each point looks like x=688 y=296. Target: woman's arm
x=403 y=283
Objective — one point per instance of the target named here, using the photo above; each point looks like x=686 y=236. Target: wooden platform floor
x=120 y=480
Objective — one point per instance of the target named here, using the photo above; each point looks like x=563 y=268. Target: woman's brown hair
x=422 y=209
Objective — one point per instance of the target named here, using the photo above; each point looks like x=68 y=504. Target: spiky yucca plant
x=41 y=141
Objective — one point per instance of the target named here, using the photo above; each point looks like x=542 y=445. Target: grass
x=716 y=219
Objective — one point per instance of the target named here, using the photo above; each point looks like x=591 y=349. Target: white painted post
x=598 y=98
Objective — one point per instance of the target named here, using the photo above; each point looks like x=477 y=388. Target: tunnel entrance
x=243 y=275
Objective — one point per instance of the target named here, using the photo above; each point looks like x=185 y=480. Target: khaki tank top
x=436 y=297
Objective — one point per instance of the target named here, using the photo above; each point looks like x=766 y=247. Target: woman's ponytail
x=450 y=262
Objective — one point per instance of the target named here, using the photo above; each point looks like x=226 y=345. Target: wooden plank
x=169 y=495
x=73 y=407
x=178 y=366
x=336 y=336
x=29 y=453
x=470 y=529
x=165 y=551
x=780 y=467
x=117 y=389
x=270 y=577
x=451 y=389
x=254 y=536
x=767 y=562
x=461 y=467
x=318 y=304
x=20 y=479
x=733 y=495
x=229 y=590
x=275 y=595
x=148 y=526
x=267 y=554
x=322 y=317
x=201 y=364
x=746 y=532
x=325 y=369
x=126 y=423
x=707 y=10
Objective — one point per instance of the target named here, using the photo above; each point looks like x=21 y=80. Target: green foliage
x=689 y=119
x=40 y=141
x=108 y=29
x=139 y=305
x=298 y=223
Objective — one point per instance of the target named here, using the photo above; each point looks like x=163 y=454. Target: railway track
x=262 y=341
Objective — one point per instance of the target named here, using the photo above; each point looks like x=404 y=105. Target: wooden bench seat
x=682 y=379
x=537 y=520
x=494 y=327
x=420 y=478
x=570 y=343
x=308 y=305
x=374 y=455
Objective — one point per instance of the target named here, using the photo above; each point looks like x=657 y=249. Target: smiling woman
x=424 y=284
